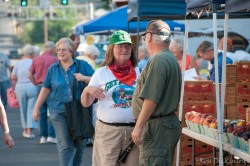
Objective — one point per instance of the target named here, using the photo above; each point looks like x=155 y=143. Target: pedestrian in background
x=176 y=47
x=113 y=85
x=156 y=99
x=38 y=70
x=90 y=55
x=4 y=78
x=37 y=51
x=143 y=56
x=4 y=124
x=25 y=90
x=76 y=41
x=57 y=90
x=205 y=51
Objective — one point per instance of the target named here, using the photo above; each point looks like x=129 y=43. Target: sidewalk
x=29 y=152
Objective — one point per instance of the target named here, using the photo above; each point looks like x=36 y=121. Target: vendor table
x=215 y=143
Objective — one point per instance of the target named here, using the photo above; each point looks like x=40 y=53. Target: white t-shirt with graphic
x=116 y=106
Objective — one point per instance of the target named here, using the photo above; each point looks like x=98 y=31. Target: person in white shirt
x=113 y=85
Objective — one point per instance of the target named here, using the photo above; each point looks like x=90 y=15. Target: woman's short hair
x=69 y=43
x=92 y=50
x=203 y=47
x=178 y=43
x=109 y=57
x=28 y=50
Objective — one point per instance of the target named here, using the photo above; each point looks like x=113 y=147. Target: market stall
x=202 y=9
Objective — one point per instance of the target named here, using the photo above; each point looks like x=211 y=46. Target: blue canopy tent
x=118 y=19
x=156 y=9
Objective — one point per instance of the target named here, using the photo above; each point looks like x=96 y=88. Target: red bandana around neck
x=126 y=73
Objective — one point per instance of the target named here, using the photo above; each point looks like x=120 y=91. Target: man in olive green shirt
x=156 y=100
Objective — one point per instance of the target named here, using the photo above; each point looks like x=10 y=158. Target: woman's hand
x=8 y=140
x=80 y=77
x=95 y=92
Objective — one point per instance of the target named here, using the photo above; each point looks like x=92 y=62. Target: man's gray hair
x=49 y=45
x=161 y=39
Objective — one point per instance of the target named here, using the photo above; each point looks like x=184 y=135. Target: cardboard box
x=230 y=111
x=242 y=108
x=199 y=91
x=243 y=71
x=230 y=74
x=242 y=92
x=201 y=107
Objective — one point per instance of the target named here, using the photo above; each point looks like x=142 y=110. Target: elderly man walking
x=37 y=74
x=156 y=99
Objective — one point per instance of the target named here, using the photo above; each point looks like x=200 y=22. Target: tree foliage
x=34 y=31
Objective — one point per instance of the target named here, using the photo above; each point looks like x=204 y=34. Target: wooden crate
x=237 y=111
x=230 y=111
x=243 y=71
x=230 y=74
x=242 y=92
x=199 y=91
x=201 y=107
x=248 y=114
x=230 y=94
x=242 y=108
x=203 y=152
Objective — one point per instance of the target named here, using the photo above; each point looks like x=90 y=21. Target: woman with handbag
x=113 y=85
x=57 y=90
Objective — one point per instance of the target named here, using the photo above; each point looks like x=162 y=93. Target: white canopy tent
x=202 y=8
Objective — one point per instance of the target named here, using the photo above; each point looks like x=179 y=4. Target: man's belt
x=160 y=116
x=132 y=124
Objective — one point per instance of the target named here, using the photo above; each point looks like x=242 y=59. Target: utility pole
x=46 y=38
x=45 y=4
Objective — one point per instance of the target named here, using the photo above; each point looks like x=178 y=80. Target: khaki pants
x=159 y=139
x=109 y=142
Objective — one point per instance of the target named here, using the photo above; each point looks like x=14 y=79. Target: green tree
x=34 y=31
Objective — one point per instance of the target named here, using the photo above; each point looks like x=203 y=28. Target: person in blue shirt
x=57 y=89
x=205 y=51
x=143 y=56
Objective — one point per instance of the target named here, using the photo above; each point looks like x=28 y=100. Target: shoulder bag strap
x=75 y=81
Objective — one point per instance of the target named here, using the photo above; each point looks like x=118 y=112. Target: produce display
x=235 y=132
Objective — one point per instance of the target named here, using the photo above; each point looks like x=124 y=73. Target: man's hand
x=136 y=135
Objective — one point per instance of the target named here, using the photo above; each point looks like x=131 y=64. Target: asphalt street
x=29 y=152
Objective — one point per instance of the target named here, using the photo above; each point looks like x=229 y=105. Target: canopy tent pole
x=218 y=104
x=223 y=80
x=137 y=37
x=182 y=85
